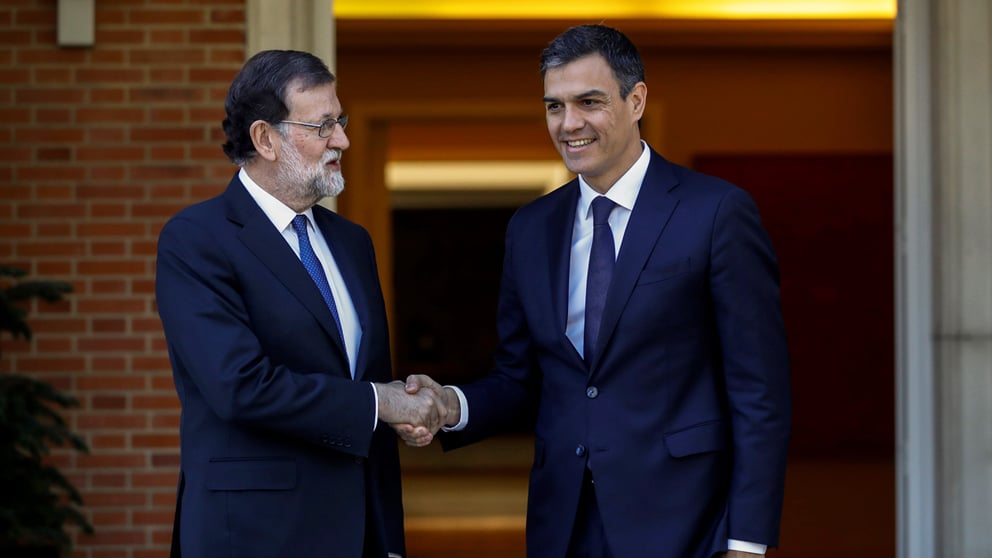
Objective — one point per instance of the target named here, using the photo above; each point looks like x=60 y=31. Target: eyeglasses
x=325 y=128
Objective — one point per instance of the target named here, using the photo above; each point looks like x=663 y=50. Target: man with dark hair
x=277 y=334
x=639 y=322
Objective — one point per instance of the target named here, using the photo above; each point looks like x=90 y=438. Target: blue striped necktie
x=602 y=259
x=315 y=269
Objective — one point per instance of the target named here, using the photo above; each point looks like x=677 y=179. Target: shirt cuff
x=744 y=546
x=463 y=422
x=375 y=397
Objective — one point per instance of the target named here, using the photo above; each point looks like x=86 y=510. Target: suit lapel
x=560 y=225
x=346 y=257
x=268 y=245
x=652 y=210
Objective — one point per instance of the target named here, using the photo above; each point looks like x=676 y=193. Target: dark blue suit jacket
x=684 y=416
x=279 y=457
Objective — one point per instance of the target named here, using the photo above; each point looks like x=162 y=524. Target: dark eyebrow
x=580 y=96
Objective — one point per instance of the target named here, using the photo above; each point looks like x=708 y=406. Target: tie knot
x=300 y=226
x=601 y=208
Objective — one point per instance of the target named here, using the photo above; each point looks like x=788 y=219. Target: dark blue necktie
x=602 y=258
x=315 y=269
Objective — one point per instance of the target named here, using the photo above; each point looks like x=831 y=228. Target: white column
x=916 y=437
x=944 y=286
x=963 y=205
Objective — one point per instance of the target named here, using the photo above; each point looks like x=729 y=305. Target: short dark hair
x=619 y=52
x=259 y=92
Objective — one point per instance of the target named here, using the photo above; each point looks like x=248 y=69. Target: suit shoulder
x=549 y=203
x=341 y=224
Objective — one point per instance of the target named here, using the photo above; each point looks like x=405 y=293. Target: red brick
x=155 y=402
x=53 y=346
x=119 y=115
x=167 y=153
x=54 y=154
x=152 y=325
x=163 y=517
x=129 y=421
x=165 y=460
x=49 y=135
x=227 y=16
x=53 y=192
x=117 y=537
x=110 y=75
x=160 y=134
x=173 y=171
x=128 y=383
x=108 y=364
x=167 y=94
x=106 y=36
x=112 y=267
x=113 y=518
x=159 y=17
x=108 y=480
x=108 y=441
x=110 y=306
x=163 y=382
x=149 y=441
x=110 y=344
x=108 y=402
x=160 y=538
x=169 y=422
x=227 y=56
x=167 y=36
x=50 y=211
x=153 y=364
x=15 y=192
x=108 y=286
x=142 y=479
x=166 y=191
x=14 y=75
x=101 y=95
x=31 y=364
x=106 y=135
x=51 y=269
x=109 y=16
x=167 y=114
x=40 y=249
x=14 y=154
x=51 y=324
x=169 y=56
x=28 y=17
x=114 y=191
x=57 y=229
x=51 y=96
x=109 y=460
x=92 y=230
x=156 y=210
x=215 y=36
x=99 y=210
x=115 y=248
x=158 y=74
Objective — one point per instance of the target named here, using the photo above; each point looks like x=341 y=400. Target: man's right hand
x=419 y=435
x=423 y=410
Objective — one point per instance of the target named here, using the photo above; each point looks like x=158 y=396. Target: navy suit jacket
x=683 y=418
x=279 y=457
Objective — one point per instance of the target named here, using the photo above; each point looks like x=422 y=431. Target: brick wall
x=98 y=147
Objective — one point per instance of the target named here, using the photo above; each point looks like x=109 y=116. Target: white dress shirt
x=281 y=217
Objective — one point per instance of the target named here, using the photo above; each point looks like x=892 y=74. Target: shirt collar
x=624 y=191
x=279 y=213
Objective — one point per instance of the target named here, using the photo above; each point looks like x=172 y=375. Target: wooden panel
x=830 y=219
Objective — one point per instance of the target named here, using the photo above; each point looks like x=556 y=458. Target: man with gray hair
x=277 y=334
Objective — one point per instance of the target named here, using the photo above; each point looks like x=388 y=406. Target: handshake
x=418 y=408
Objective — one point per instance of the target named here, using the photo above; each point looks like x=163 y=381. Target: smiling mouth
x=579 y=143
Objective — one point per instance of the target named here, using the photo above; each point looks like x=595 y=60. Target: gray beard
x=307 y=184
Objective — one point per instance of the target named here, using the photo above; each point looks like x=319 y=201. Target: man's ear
x=265 y=139
x=638 y=97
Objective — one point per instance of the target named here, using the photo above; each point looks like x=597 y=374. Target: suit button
x=592 y=392
x=580 y=450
